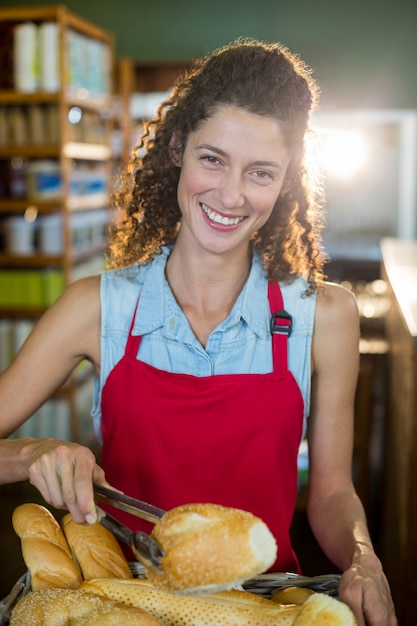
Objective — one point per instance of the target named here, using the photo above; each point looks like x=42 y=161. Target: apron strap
x=133 y=341
x=281 y=324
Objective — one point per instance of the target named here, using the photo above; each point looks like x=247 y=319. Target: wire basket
x=20 y=589
x=264 y=585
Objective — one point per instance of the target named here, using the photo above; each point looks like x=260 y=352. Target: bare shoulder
x=84 y=291
x=336 y=326
x=79 y=304
x=85 y=286
x=335 y=304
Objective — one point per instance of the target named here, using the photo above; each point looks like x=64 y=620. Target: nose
x=231 y=190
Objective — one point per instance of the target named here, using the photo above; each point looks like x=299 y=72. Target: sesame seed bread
x=209 y=548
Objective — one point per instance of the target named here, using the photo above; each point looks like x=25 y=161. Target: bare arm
x=335 y=512
x=68 y=333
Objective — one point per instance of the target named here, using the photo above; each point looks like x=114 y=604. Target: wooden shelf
x=17 y=313
x=74 y=203
x=94 y=98
x=80 y=97
x=18 y=206
x=30 y=151
x=8 y=96
x=38 y=260
x=71 y=150
x=54 y=13
x=41 y=260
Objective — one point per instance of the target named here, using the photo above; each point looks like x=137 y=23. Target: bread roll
x=51 y=607
x=59 y=607
x=292 y=595
x=323 y=610
x=96 y=550
x=44 y=548
x=227 y=608
x=210 y=547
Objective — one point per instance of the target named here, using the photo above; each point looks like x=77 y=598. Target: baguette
x=56 y=607
x=227 y=608
x=96 y=550
x=210 y=547
x=44 y=548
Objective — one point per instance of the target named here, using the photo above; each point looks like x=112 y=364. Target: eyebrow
x=219 y=151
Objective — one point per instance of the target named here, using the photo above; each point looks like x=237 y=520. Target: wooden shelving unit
x=141 y=77
x=83 y=147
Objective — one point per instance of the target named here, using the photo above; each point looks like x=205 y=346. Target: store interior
x=75 y=90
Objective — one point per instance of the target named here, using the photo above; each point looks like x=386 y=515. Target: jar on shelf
x=44 y=180
x=20 y=236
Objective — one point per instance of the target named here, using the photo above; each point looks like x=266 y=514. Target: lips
x=221 y=219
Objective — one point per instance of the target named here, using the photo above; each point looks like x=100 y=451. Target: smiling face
x=232 y=171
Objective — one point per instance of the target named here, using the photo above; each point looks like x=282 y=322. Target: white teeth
x=219 y=219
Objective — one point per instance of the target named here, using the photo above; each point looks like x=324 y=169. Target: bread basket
x=264 y=585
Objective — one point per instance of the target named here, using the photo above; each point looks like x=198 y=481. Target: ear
x=175 y=149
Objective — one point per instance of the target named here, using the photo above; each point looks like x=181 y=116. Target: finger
x=86 y=471
x=378 y=606
x=55 y=475
x=43 y=475
x=70 y=489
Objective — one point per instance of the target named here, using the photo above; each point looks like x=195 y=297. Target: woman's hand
x=365 y=589
x=64 y=473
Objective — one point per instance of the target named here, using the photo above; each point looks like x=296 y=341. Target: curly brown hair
x=265 y=79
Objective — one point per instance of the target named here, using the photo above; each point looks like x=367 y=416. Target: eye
x=262 y=176
x=209 y=158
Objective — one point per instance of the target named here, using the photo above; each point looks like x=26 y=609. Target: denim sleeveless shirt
x=240 y=344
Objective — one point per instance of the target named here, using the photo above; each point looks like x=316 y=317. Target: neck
x=207 y=275
x=206 y=288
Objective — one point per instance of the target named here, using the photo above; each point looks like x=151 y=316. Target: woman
x=214 y=336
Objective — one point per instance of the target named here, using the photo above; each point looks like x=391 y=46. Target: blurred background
x=61 y=151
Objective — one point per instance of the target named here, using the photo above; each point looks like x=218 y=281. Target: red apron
x=233 y=439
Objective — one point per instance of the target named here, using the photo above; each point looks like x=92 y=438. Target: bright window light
x=343 y=153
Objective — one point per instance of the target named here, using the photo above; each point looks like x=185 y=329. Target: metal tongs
x=144 y=547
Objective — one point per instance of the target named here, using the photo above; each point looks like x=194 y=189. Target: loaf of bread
x=227 y=608
x=56 y=607
x=96 y=550
x=44 y=548
x=210 y=547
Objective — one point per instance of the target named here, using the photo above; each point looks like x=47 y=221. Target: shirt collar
x=157 y=305
x=151 y=311
x=252 y=305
